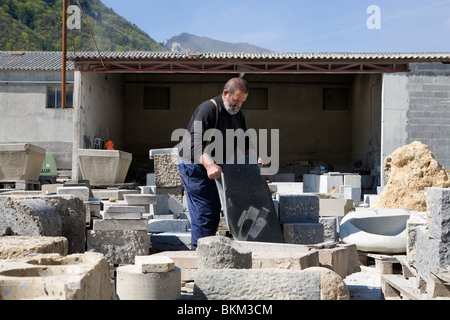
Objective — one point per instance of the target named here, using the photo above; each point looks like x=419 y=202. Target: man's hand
x=213 y=171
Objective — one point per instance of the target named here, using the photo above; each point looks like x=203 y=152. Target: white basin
x=376 y=230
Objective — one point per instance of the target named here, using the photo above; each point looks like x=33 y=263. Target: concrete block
x=125 y=224
x=118 y=246
x=314 y=283
x=166 y=171
x=348 y=192
x=158 y=264
x=54 y=277
x=330 y=228
x=135 y=285
x=51 y=188
x=21 y=161
x=303 y=233
x=161 y=225
x=104 y=167
x=286 y=187
x=79 y=192
x=222 y=253
x=352 y=180
x=330 y=181
x=161 y=206
x=311 y=183
x=186 y=260
x=140 y=199
x=335 y=207
x=14 y=247
x=106 y=194
x=438 y=204
x=176 y=206
x=301 y=208
x=171 y=241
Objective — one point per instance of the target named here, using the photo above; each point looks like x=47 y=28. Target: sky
x=299 y=25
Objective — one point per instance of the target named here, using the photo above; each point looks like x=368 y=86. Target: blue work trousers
x=202 y=199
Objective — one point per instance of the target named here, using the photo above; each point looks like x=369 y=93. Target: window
x=335 y=99
x=157 y=98
x=257 y=99
x=54 y=97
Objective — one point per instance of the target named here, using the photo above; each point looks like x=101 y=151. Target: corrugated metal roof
x=52 y=61
x=33 y=60
x=264 y=55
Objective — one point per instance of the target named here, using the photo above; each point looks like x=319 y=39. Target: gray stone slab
x=124 y=209
x=171 y=241
x=247 y=204
x=130 y=224
x=438 y=204
x=163 y=225
x=303 y=233
x=121 y=215
x=299 y=208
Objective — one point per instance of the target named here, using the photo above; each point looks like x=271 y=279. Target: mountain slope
x=31 y=25
x=187 y=42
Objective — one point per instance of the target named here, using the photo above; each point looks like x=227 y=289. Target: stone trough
x=104 y=167
x=20 y=162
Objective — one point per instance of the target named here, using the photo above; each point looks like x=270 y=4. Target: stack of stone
x=299 y=215
x=121 y=233
x=168 y=225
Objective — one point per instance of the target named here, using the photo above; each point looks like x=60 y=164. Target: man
x=197 y=167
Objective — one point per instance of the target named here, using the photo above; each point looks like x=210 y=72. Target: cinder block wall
x=429 y=108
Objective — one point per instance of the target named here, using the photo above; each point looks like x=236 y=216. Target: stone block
x=176 y=206
x=171 y=241
x=286 y=187
x=311 y=183
x=438 y=204
x=173 y=225
x=140 y=199
x=158 y=264
x=166 y=171
x=106 y=194
x=122 y=224
x=132 y=284
x=29 y=217
x=161 y=206
x=303 y=233
x=335 y=207
x=314 y=283
x=186 y=260
x=121 y=215
x=352 y=180
x=32 y=215
x=14 y=247
x=330 y=181
x=222 y=253
x=79 y=192
x=298 y=208
x=430 y=253
x=54 y=277
x=330 y=228
x=118 y=246
x=341 y=258
x=351 y=193
x=415 y=220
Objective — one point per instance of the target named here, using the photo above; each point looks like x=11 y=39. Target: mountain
x=187 y=42
x=36 y=25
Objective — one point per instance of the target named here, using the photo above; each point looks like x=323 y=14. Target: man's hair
x=235 y=84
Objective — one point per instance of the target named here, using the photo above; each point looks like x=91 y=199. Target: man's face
x=233 y=101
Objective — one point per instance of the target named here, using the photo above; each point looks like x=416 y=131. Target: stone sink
x=376 y=230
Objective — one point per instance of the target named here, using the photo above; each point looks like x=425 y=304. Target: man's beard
x=231 y=110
